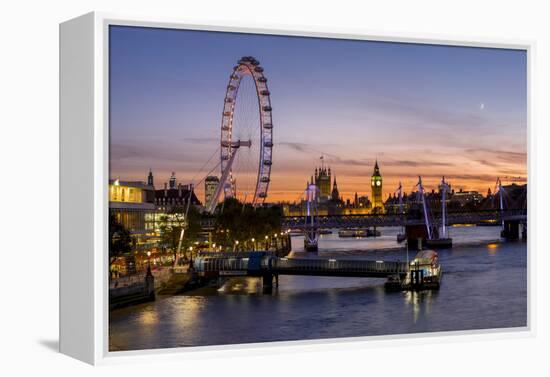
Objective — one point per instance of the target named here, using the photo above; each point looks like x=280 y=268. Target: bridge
x=421 y=223
x=384 y=220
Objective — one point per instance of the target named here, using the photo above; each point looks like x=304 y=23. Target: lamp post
x=253 y=244
x=266 y=243
x=149 y=263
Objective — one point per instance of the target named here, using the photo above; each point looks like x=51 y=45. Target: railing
x=458 y=217
x=221 y=264
x=336 y=221
x=161 y=275
x=235 y=254
x=342 y=266
x=126 y=281
x=291 y=265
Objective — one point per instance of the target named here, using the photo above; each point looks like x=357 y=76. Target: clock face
x=372 y=183
x=378 y=183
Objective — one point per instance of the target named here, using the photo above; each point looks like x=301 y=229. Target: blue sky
x=418 y=109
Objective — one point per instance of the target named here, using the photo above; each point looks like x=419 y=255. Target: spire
x=376 y=169
x=173 y=181
x=335 y=195
x=150 y=181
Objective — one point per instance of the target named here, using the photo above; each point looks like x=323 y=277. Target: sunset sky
x=419 y=109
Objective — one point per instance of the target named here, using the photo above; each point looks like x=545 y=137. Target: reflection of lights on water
x=148 y=318
x=188 y=309
x=415 y=299
x=412 y=299
x=492 y=248
x=241 y=285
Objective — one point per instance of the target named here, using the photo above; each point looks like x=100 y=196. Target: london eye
x=246 y=141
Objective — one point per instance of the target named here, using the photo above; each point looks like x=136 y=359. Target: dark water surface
x=484 y=286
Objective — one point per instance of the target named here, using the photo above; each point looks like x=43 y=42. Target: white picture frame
x=84 y=179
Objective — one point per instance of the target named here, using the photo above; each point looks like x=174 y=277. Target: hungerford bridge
x=384 y=220
x=423 y=223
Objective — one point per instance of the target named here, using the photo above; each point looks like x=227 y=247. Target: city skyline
x=419 y=109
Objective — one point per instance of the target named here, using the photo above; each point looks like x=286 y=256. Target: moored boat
x=352 y=232
x=424 y=274
x=295 y=232
x=358 y=233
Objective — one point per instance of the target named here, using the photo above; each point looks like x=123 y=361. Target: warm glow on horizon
x=292 y=188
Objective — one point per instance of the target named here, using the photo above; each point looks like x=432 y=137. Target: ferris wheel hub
x=241 y=143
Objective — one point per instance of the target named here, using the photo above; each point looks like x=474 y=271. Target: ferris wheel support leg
x=221 y=185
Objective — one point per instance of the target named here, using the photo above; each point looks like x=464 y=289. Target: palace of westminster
x=331 y=203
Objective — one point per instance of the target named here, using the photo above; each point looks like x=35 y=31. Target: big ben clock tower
x=376 y=187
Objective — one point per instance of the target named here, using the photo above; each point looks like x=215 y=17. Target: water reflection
x=420 y=302
x=148 y=317
x=483 y=286
x=492 y=248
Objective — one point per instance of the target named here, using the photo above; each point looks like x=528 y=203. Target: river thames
x=484 y=286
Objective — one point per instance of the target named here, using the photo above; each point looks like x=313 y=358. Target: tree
x=172 y=224
x=238 y=222
x=120 y=239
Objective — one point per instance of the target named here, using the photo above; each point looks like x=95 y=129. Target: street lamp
x=148 y=261
x=253 y=244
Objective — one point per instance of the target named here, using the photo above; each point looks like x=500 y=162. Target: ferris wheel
x=246 y=136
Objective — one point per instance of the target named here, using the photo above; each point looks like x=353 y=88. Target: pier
x=402 y=275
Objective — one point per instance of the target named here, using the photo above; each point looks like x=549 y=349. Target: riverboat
x=424 y=274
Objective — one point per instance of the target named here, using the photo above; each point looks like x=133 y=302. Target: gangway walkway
x=261 y=263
